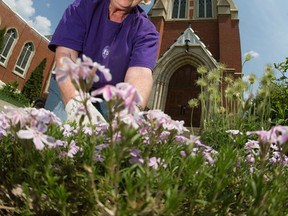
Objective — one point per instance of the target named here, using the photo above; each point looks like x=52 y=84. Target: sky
x=263 y=27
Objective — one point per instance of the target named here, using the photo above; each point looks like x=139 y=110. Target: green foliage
x=44 y=183
x=279 y=96
x=2 y=33
x=279 y=105
x=229 y=109
x=283 y=66
x=11 y=94
x=32 y=87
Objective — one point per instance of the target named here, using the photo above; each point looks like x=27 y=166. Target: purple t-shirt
x=85 y=27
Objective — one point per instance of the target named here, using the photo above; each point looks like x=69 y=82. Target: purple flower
x=128 y=119
x=182 y=139
x=161 y=120
x=101 y=147
x=2 y=132
x=250 y=159
x=252 y=144
x=208 y=157
x=136 y=157
x=164 y=136
x=4 y=124
x=108 y=92
x=130 y=96
x=152 y=162
x=17 y=116
x=156 y=162
x=262 y=135
x=59 y=143
x=68 y=130
x=87 y=130
x=183 y=154
x=281 y=134
x=39 y=139
x=98 y=157
x=73 y=149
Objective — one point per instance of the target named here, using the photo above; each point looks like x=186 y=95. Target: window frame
x=23 y=55
x=205 y=9
x=179 y=10
x=11 y=48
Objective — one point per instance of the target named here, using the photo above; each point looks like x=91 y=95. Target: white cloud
x=26 y=10
x=23 y=7
x=42 y=24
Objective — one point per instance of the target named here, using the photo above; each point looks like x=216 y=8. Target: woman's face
x=124 y=4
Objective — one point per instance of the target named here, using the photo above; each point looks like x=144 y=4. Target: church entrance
x=181 y=89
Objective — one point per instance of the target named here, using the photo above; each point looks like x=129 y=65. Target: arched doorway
x=182 y=87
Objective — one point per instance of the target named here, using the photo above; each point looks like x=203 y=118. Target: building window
x=179 y=9
x=8 y=42
x=24 y=58
x=205 y=8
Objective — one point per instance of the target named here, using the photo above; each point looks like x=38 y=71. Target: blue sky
x=263 y=26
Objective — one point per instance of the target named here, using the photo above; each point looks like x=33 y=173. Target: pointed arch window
x=24 y=58
x=7 y=46
x=205 y=8
x=179 y=9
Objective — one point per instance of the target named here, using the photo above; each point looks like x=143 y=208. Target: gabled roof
x=190 y=38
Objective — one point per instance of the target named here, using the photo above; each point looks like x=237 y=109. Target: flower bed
x=138 y=163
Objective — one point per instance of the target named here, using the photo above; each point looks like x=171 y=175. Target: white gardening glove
x=72 y=109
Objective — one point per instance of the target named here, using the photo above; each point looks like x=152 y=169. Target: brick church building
x=22 y=51
x=192 y=33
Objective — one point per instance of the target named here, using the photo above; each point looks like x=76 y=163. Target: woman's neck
x=117 y=15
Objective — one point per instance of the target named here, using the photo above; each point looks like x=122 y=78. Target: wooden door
x=182 y=88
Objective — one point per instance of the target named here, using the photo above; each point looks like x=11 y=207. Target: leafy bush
x=11 y=94
x=279 y=102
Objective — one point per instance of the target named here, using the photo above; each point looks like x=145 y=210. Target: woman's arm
x=66 y=87
x=141 y=78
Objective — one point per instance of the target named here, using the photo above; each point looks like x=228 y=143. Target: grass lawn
x=12 y=100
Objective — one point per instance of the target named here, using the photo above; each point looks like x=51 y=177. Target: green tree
x=279 y=97
x=282 y=67
x=32 y=87
x=2 y=33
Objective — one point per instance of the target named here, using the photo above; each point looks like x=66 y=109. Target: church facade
x=193 y=33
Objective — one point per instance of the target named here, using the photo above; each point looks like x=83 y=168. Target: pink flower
x=68 y=130
x=262 y=135
x=87 y=131
x=153 y=163
x=252 y=144
x=183 y=154
x=108 y=92
x=73 y=149
x=136 y=157
x=128 y=119
x=250 y=159
x=39 y=139
x=156 y=162
x=17 y=116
